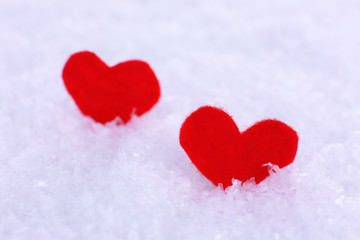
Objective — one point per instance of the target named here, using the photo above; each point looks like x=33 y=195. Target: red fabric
x=215 y=145
x=104 y=93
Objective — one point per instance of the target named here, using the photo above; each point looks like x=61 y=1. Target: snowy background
x=62 y=176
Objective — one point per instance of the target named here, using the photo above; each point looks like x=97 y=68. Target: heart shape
x=104 y=92
x=221 y=152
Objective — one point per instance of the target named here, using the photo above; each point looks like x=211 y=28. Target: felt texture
x=104 y=92
x=221 y=152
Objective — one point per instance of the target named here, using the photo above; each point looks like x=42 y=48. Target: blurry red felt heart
x=221 y=152
x=104 y=92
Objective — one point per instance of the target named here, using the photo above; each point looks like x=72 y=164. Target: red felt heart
x=104 y=92
x=221 y=152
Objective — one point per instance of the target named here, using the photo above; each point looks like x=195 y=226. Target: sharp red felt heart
x=221 y=152
x=104 y=92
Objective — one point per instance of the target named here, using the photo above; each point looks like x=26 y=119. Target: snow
x=63 y=176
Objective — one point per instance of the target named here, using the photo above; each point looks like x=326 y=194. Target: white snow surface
x=63 y=176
